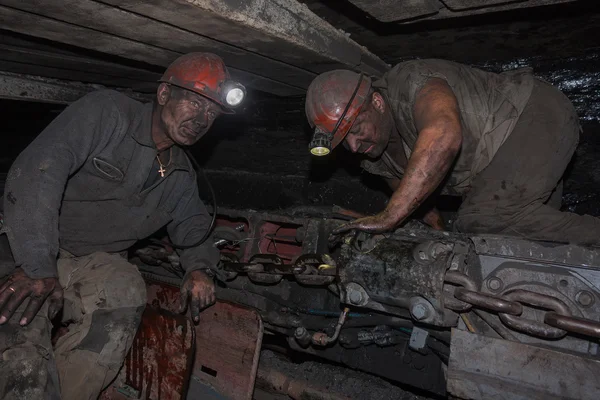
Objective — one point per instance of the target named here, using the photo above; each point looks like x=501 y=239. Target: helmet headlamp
x=320 y=145
x=233 y=93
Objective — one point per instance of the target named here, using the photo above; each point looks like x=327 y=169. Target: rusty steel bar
x=531 y=327
x=461 y=280
x=573 y=324
x=488 y=301
x=539 y=300
x=321 y=338
x=456 y=305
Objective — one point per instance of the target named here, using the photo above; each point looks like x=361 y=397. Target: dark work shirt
x=80 y=185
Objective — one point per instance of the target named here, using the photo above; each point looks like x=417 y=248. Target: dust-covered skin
x=370 y=132
x=18 y=287
x=182 y=117
x=199 y=290
x=437 y=120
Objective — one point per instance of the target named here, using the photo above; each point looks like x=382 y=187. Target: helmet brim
x=224 y=108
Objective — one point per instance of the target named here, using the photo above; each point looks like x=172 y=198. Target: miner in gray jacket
x=107 y=172
x=500 y=141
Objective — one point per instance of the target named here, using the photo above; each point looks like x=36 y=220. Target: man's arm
x=33 y=195
x=431 y=217
x=437 y=119
x=190 y=223
x=37 y=180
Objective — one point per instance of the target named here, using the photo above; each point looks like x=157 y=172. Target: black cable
x=339 y=122
x=214 y=201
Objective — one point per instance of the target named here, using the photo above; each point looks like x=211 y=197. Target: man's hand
x=378 y=223
x=199 y=289
x=18 y=287
x=434 y=219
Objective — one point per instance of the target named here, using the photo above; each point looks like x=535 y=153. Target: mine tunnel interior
x=258 y=163
x=258 y=157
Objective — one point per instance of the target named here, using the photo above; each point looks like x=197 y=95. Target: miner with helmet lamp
x=500 y=141
x=107 y=172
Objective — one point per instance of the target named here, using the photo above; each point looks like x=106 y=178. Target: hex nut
x=585 y=298
x=419 y=311
x=494 y=284
x=300 y=331
x=355 y=297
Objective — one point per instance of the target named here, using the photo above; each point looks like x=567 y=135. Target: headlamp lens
x=320 y=145
x=233 y=93
x=320 y=151
x=234 y=97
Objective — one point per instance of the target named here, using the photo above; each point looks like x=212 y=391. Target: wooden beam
x=35 y=88
x=30 y=23
x=76 y=76
x=78 y=68
x=132 y=26
x=281 y=29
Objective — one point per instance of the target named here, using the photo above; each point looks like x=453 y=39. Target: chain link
x=556 y=323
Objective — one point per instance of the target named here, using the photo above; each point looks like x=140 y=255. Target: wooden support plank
x=76 y=76
x=483 y=368
x=35 y=88
x=97 y=69
x=39 y=26
x=281 y=29
x=129 y=25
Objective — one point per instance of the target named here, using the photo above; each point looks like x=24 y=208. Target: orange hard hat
x=333 y=101
x=205 y=74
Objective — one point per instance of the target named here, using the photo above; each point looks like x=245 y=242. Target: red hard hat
x=203 y=73
x=327 y=99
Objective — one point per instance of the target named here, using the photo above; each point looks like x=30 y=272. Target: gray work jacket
x=80 y=186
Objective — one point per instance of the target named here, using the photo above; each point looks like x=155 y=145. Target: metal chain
x=556 y=323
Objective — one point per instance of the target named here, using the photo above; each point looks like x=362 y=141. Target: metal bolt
x=300 y=332
x=419 y=311
x=494 y=284
x=585 y=298
x=355 y=297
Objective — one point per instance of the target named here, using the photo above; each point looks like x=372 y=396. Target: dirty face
x=186 y=116
x=370 y=132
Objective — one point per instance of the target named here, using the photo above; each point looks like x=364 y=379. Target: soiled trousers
x=104 y=300
x=519 y=192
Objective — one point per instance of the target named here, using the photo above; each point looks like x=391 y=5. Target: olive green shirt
x=490 y=105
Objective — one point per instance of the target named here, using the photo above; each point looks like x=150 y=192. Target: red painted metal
x=278 y=238
x=161 y=356
x=228 y=340
x=159 y=364
x=162 y=295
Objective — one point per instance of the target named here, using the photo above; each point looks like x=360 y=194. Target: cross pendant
x=161 y=170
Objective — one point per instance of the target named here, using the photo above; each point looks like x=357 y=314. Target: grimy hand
x=382 y=222
x=199 y=289
x=18 y=287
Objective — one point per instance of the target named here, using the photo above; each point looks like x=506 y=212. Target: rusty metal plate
x=162 y=295
x=228 y=340
x=159 y=364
